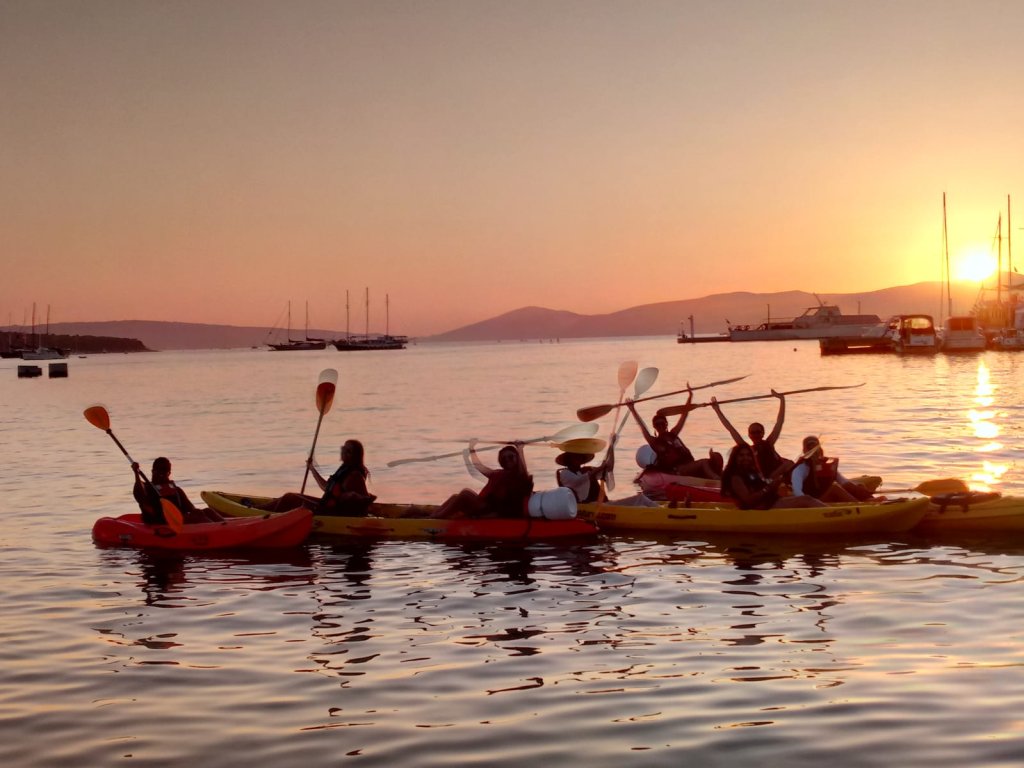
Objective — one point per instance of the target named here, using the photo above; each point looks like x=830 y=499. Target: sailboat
x=352 y=343
x=42 y=352
x=293 y=345
x=959 y=333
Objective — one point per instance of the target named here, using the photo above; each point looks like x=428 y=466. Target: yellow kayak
x=973 y=512
x=410 y=521
x=884 y=517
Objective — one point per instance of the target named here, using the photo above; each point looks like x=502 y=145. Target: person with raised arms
x=506 y=493
x=765 y=454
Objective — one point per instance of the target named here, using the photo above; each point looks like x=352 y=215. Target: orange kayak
x=285 y=529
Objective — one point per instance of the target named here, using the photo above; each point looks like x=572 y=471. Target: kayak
x=287 y=529
x=881 y=517
x=389 y=521
x=698 y=489
x=973 y=511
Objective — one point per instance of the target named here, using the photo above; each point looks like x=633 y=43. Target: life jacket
x=766 y=457
x=149 y=504
x=583 y=484
x=330 y=504
x=755 y=483
x=671 y=453
x=821 y=476
x=506 y=494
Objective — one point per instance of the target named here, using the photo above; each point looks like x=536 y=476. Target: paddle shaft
x=674 y=410
x=597 y=411
x=312 y=449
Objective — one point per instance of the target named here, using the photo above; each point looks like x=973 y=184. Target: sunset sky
x=209 y=161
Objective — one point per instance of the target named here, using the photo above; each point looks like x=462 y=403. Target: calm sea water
x=643 y=651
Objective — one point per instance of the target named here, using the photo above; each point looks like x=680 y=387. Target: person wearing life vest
x=582 y=480
x=672 y=455
x=344 y=492
x=506 y=493
x=818 y=475
x=744 y=483
x=149 y=496
x=765 y=454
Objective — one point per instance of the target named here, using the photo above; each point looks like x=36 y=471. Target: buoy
x=29 y=371
x=58 y=370
x=556 y=504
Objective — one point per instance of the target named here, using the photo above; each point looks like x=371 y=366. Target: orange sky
x=207 y=162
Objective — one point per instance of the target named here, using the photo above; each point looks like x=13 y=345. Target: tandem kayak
x=410 y=521
x=884 y=517
x=286 y=529
x=973 y=511
x=699 y=489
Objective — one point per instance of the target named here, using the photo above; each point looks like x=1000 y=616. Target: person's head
x=741 y=459
x=352 y=453
x=508 y=457
x=756 y=432
x=659 y=422
x=574 y=461
x=809 y=444
x=161 y=468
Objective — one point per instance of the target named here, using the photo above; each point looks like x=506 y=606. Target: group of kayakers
x=754 y=477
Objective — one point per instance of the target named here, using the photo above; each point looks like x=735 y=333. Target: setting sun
x=974 y=263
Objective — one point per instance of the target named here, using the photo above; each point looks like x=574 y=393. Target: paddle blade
x=97 y=416
x=594 y=412
x=644 y=381
x=574 y=431
x=582 y=445
x=173 y=516
x=627 y=372
x=324 y=396
x=328 y=375
x=673 y=410
x=939 y=487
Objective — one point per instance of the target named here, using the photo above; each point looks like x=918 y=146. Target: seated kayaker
x=672 y=457
x=817 y=475
x=345 y=493
x=505 y=494
x=749 y=489
x=767 y=458
x=583 y=481
x=160 y=486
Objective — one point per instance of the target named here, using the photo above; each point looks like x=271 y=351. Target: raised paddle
x=675 y=410
x=644 y=381
x=97 y=416
x=568 y=433
x=597 y=411
x=324 y=398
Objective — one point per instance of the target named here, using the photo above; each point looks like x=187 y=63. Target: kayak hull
x=288 y=529
x=886 y=517
x=389 y=521
x=973 y=512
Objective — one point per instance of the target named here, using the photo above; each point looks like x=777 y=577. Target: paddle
x=97 y=416
x=568 y=433
x=644 y=381
x=675 y=410
x=597 y=411
x=932 y=487
x=324 y=399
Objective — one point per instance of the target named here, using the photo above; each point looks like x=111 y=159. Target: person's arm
x=748 y=498
x=736 y=436
x=779 y=419
x=320 y=479
x=798 y=477
x=683 y=416
x=186 y=503
x=474 y=459
x=640 y=423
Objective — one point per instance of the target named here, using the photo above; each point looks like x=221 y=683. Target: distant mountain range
x=710 y=315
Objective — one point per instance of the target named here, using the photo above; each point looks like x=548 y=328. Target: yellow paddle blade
x=97 y=416
x=173 y=516
x=582 y=445
x=945 y=485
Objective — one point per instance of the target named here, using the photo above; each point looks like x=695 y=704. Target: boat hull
x=287 y=529
x=886 y=517
x=973 y=512
x=389 y=521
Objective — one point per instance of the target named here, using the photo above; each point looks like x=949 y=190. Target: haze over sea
x=640 y=650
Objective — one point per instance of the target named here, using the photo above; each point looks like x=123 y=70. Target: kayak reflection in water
x=150 y=493
x=345 y=493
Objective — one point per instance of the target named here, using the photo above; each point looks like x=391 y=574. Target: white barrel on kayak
x=556 y=504
x=645 y=456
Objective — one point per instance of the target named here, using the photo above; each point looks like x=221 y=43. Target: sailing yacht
x=41 y=351
x=352 y=343
x=298 y=345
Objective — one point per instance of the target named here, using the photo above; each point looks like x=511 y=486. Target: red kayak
x=283 y=529
x=681 y=492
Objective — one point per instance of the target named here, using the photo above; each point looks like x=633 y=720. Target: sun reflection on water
x=983 y=425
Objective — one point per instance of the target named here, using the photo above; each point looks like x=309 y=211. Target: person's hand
x=776 y=394
x=714 y=404
x=135 y=467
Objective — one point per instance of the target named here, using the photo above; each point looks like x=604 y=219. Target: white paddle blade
x=644 y=381
x=328 y=374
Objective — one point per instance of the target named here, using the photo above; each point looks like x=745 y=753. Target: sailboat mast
x=367 y=311
x=347 y=334
x=999 y=264
x=387 y=314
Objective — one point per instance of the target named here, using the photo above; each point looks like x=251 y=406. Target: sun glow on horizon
x=974 y=263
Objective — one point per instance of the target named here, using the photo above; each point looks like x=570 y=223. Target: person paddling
x=765 y=454
x=817 y=475
x=345 y=493
x=149 y=496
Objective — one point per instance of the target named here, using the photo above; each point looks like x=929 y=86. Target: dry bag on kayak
x=556 y=504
